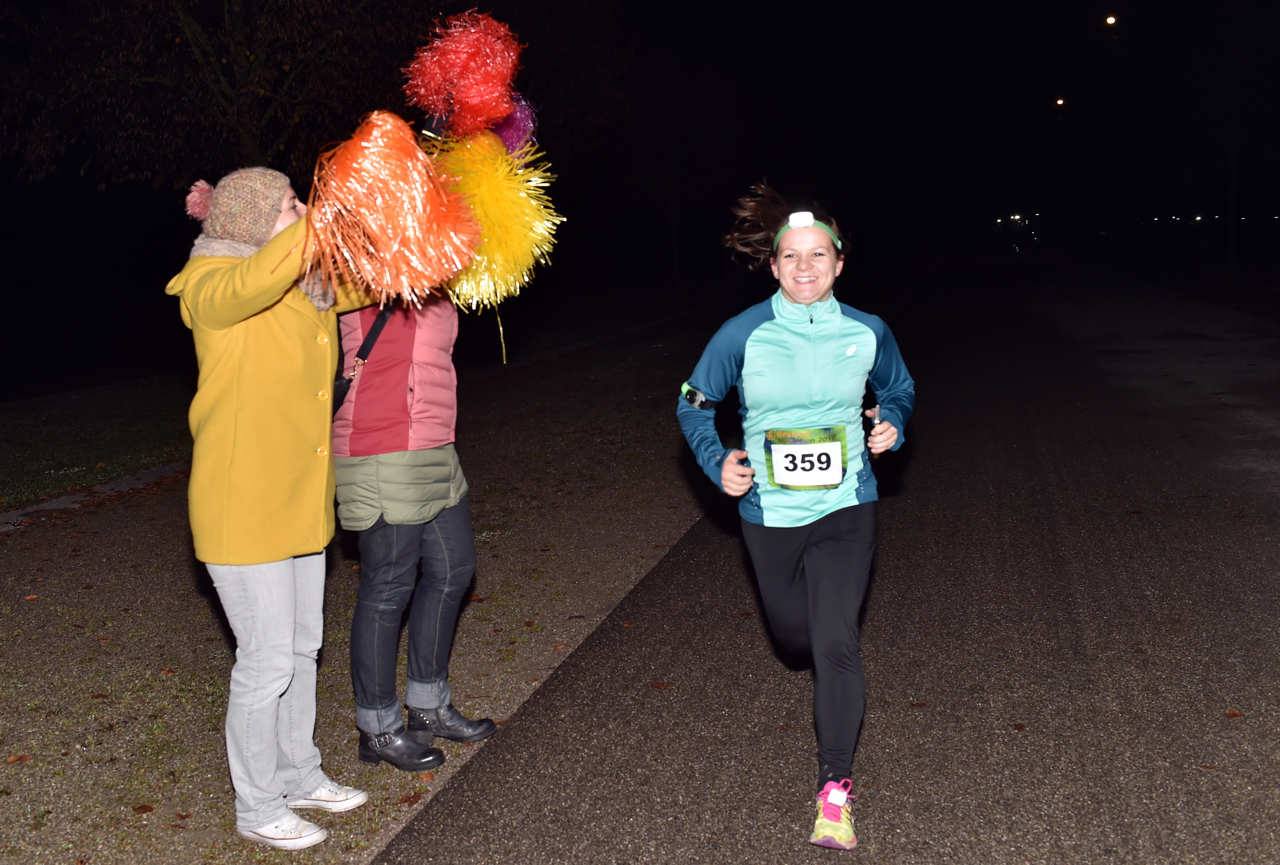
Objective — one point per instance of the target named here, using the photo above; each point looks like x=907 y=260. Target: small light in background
x=1059 y=101
x=1197 y=219
x=1111 y=19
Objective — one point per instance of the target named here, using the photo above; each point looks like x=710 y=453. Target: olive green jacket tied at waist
x=406 y=488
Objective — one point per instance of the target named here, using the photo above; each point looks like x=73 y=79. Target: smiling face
x=291 y=210
x=806 y=265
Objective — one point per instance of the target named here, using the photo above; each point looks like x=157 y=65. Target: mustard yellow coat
x=261 y=472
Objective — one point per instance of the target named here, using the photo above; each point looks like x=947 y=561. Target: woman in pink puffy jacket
x=401 y=487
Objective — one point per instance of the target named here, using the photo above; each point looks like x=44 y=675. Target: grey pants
x=276 y=612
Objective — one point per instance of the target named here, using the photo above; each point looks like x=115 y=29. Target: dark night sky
x=949 y=109
x=914 y=123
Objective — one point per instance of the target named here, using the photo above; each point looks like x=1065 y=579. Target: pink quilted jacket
x=406 y=397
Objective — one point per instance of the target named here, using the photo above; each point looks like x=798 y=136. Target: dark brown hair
x=761 y=213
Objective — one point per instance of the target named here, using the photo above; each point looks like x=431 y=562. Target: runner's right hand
x=735 y=478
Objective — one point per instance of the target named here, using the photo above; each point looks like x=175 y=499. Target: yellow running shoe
x=834 y=826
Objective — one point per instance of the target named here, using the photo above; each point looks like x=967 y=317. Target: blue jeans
x=276 y=612
x=389 y=559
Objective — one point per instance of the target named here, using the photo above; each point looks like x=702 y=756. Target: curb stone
x=10 y=520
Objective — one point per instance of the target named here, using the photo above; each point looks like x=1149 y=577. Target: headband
x=804 y=219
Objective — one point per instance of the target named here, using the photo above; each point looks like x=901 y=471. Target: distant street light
x=1059 y=101
x=1111 y=19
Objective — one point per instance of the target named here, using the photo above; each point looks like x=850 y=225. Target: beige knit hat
x=243 y=207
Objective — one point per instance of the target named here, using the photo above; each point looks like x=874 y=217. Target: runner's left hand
x=883 y=435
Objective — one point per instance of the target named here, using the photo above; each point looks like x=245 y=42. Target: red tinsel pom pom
x=199 y=200
x=465 y=73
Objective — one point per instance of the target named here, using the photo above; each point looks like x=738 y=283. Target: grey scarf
x=310 y=284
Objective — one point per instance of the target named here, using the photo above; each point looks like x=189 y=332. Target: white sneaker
x=290 y=832
x=332 y=796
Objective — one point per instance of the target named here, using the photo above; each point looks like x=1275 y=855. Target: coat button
x=322 y=452
x=322 y=395
x=322 y=339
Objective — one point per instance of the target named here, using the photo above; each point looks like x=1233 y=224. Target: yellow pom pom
x=507 y=194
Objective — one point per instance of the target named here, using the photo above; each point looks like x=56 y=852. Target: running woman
x=801 y=362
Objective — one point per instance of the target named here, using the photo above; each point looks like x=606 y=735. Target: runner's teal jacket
x=798 y=367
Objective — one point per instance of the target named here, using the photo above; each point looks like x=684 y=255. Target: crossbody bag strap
x=362 y=353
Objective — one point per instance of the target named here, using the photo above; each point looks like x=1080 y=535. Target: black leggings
x=812 y=580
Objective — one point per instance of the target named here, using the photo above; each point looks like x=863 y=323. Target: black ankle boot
x=448 y=723
x=400 y=750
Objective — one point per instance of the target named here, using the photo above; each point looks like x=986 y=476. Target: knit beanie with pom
x=243 y=207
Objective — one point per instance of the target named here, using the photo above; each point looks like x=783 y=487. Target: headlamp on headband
x=804 y=219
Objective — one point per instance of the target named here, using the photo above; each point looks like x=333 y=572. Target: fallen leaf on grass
x=532 y=682
x=576 y=617
x=782 y=727
x=20 y=758
x=183 y=816
x=426 y=777
x=919 y=705
x=503 y=721
x=101 y=466
x=1209 y=768
x=104 y=639
x=477 y=599
x=530 y=624
x=31 y=598
x=143 y=809
x=98 y=696
x=497 y=630
x=1232 y=713
x=166 y=672
x=88 y=587
x=660 y=686
x=1019 y=727
x=175 y=826
x=410 y=799
x=746 y=614
x=624 y=624
x=558 y=646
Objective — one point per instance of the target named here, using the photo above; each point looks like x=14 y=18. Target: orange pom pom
x=465 y=73
x=381 y=216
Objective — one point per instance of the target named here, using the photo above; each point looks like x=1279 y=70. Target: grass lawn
x=61 y=442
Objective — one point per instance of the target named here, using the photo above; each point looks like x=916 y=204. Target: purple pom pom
x=517 y=128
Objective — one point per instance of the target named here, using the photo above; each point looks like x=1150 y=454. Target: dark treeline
x=917 y=124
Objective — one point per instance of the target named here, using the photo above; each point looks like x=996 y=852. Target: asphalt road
x=1070 y=638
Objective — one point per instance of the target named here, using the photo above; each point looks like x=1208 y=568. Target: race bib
x=806 y=459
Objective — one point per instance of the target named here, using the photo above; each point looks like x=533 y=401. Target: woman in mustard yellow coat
x=262 y=484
